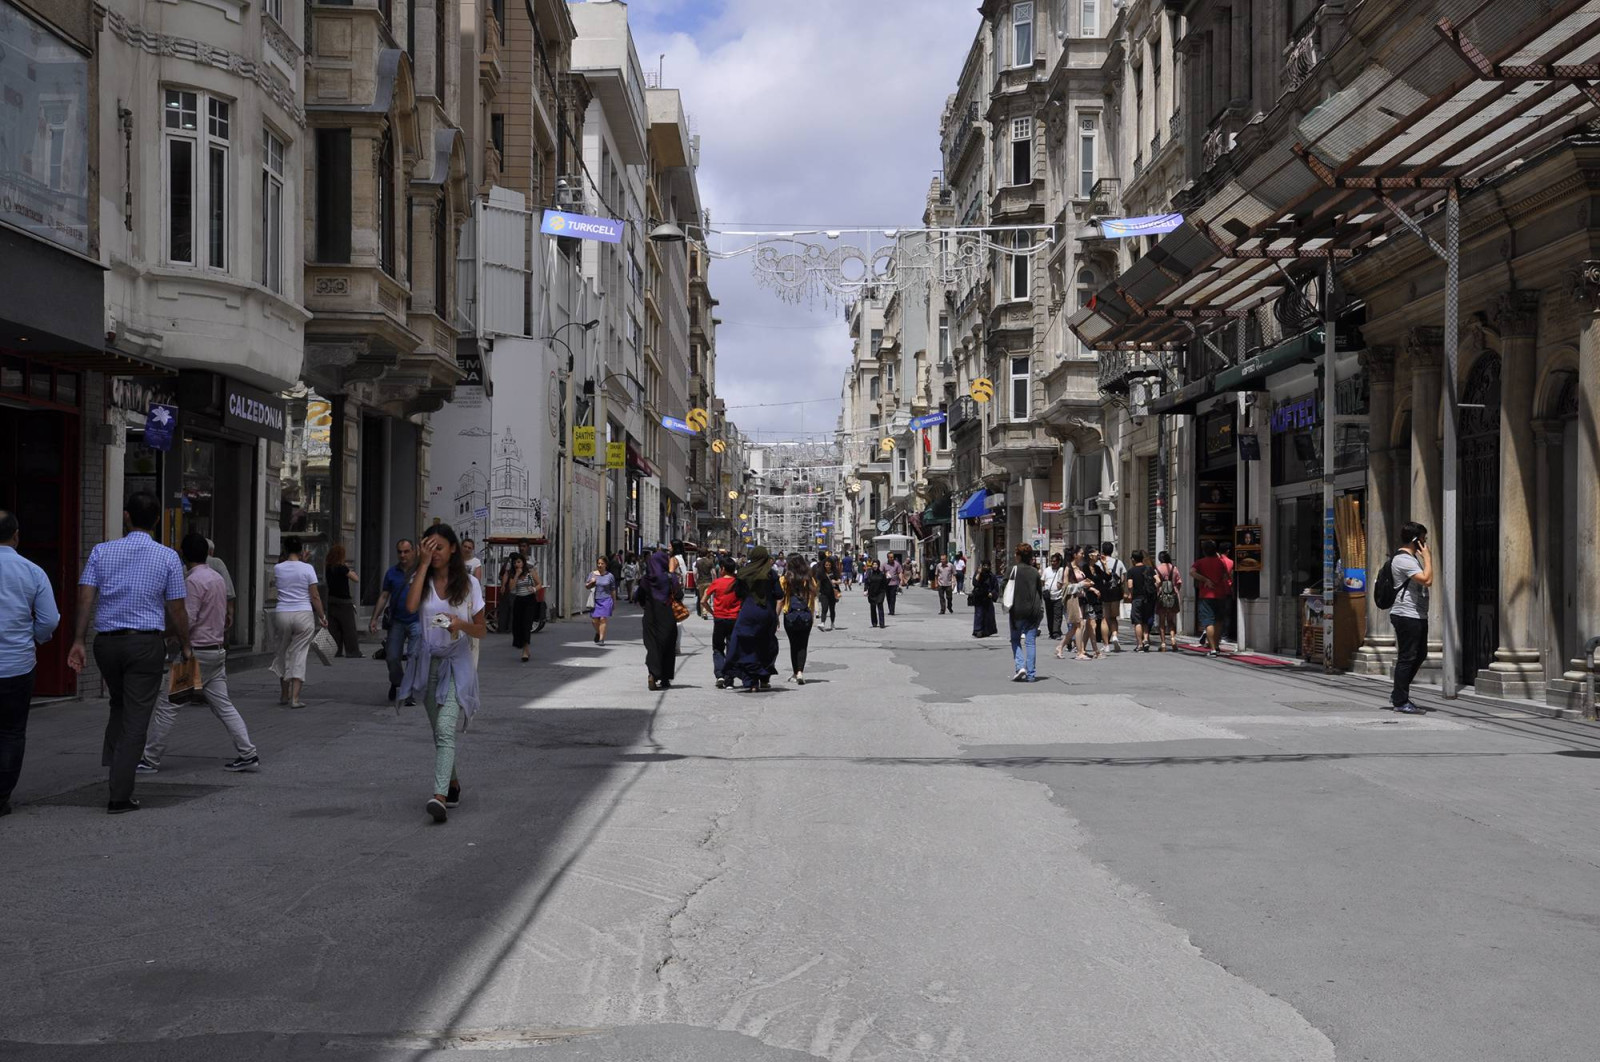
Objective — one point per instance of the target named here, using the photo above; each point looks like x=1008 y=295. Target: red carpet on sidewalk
x=1244 y=658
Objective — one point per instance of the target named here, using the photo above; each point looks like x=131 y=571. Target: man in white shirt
x=469 y=554
x=961 y=573
x=1053 y=583
x=1412 y=571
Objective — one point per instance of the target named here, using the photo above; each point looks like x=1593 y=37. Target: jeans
x=133 y=667
x=961 y=582
x=442 y=717
x=1411 y=648
x=876 y=608
x=797 y=625
x=947 y=599
x=397 y=643
x=1024 y=645
x=721 y=631
x=1052 y=616
x=214 y=684
x=15 y=693
x=894 y=592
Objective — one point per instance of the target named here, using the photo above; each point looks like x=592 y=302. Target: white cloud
x=816 y=113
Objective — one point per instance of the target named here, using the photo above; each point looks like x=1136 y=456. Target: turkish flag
x=927 y=443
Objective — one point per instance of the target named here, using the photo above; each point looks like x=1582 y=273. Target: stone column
x=1548 y=524
x=1516 y=670
x=1426 y=346
x=1586 y=522
x=1376 y=656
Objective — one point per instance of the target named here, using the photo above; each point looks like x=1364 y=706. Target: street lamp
x=667 y=232
x=564 y=486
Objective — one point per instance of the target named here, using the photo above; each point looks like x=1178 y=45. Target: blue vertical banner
x=159 y=424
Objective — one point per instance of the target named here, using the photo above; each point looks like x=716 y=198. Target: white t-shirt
x=961 y=565
x=434 y=605
x=1411 y=597
x=475 y=568
x=295 y=580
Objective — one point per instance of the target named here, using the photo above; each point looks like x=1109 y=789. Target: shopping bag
x=324 y=646
x=183 y=681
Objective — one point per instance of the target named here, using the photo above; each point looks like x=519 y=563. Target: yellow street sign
x=718 y=446
x=886 y=444
x=733 y=494
x=982 y=389
x=616 y=455
x=697 y=419
x=583 y=441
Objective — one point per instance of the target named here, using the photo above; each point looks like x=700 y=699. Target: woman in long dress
x=985 y=588
x=656 y=588
x=753 y=647
x=604 y=585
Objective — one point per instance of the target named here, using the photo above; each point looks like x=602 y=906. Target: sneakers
x=243 y=763
x=121 y=807
x=1116 y=645
x=1408 y=709
x=1020 y=676
x=411 y=702
x=1212 y=652
x=452 y=796
x=722 y=684
x=435 y=809
x=146 y=767
x=394 y=691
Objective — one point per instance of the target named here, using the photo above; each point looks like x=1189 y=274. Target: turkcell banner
x=674 y=424
x=581 y=227
x=1150 y=225
x=932 y=420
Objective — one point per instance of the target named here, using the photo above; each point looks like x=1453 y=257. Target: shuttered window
x=1152 y=513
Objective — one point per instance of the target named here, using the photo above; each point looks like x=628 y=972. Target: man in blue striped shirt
x=28 y=617
x=141 y=592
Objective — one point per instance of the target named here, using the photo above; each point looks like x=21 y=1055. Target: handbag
x=183 y=681
x=1010 y=591
x=680 y=611
x=324 y=646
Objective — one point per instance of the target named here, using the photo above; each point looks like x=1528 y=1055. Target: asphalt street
x=1151 y=857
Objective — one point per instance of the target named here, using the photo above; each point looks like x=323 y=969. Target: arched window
x=385 y=180
x=441 y=258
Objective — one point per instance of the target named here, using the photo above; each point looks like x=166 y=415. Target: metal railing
x=1155 y=145
x=1138 y=166
x=1175 y=125
x=1300 y=57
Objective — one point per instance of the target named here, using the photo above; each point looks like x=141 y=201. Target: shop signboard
x=1247 y=548
x=1052 y=507
x=159 y=424
x=252 y=411
x=1250 y=447
x=581 y=227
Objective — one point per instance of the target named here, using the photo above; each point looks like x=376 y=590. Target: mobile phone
x=441 y=619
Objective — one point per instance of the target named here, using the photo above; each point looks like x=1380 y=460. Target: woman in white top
x=298 y=614
x=449 y=604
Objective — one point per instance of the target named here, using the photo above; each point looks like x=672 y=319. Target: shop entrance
x=217 y=500
x=1478 y=516
x=39 y=482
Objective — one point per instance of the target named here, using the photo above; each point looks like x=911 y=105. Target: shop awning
x=937 y=513
x=1184 y=399
x=973 y=507
x=1251 y=375
x=1450 y=102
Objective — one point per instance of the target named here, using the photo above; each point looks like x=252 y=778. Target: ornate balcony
x=1120 y=368
x=1300 y=57
x=1175 y=126
x=1138 y=166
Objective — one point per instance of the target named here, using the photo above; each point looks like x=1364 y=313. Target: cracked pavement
x=909 y=858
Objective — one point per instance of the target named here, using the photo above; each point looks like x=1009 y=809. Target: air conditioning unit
x=569 y=193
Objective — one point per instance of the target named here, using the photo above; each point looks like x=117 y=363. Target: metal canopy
x=1451 y=102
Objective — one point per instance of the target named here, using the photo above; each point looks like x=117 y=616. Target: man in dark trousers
x=876 y=585
x=724 y=613
x=403 y=626
x=1412 y=572
x=137 y=584
x=28 y=617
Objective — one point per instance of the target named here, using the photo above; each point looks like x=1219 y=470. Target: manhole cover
x=151 y=795
x=1329 y=706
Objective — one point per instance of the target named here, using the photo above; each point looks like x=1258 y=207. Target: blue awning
x=973 y=508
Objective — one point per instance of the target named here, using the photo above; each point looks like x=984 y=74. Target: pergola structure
x=1463 y=92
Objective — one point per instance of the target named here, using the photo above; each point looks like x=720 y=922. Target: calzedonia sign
x=254 y=412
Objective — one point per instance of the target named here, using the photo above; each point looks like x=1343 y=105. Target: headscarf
x=756 y=576
x=658 y=575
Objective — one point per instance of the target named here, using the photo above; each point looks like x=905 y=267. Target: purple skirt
x=603 y=607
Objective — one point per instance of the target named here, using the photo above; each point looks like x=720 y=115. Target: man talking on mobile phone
x=1412 y=572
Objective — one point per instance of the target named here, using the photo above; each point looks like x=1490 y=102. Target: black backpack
x=1383 y=589
x=1144 y=581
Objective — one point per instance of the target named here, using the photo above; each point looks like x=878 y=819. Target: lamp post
x=564 y=486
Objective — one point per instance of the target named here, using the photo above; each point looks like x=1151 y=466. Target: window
x=497 y=134
x=1021 y=266
x=889 y=371
x=1021 y=150
x=1089 y=19
x=440 y=8
x=902 y=465
x=196 y=163
x=875 y=388
x=499 y=7
x=1019 y=388
x=275 y=9
x=333 y=195
x=272 y=151
x=1022 y=34
x=943 y=442
x=385 y=200
x=1086 y=140
x=877 y=339
x=1086 y=285
x=944 y=337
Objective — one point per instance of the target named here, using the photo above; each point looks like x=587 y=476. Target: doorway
x=39 y=482
x=1478 y=517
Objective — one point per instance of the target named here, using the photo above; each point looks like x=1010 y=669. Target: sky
x=811 y=113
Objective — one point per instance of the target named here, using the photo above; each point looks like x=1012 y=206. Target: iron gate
x=1478 y=516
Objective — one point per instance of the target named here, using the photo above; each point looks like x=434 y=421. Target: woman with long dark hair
x=522 y=585
x=985 y=588
x=800 y=594
x=657 y=585
x=449 y=605
x=753 y=646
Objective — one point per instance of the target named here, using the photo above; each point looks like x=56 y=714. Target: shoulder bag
x=1010 y=591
